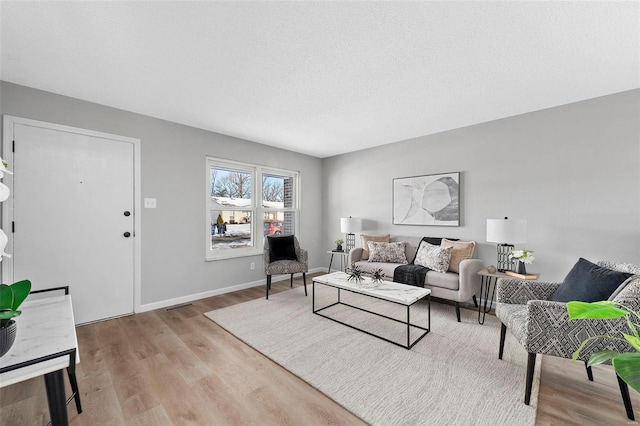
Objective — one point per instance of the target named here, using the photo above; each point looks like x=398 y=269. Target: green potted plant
x=626 y=364
x=339 y=242
x=11 y=297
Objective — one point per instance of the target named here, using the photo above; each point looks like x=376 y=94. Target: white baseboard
x=190 y=298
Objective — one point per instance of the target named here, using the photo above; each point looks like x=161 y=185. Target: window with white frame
x=236 y=222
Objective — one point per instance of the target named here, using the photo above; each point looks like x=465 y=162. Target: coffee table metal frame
x=409 y=344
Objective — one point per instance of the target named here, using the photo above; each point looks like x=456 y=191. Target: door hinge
x=13 y=146
x=13 y=226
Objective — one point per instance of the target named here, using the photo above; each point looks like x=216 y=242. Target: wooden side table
x=489 y=278
x=343 y=256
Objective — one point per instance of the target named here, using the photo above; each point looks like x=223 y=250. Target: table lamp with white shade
x=505 y=232
x=350 y=225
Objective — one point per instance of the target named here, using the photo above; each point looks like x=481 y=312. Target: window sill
x=233 y=254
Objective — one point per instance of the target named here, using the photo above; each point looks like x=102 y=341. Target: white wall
x=173 y=171
x=573 y=172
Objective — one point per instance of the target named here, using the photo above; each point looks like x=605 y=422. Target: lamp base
x=504 y=262
x=351 y=242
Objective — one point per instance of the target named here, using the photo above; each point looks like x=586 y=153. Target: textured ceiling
x=323 y=78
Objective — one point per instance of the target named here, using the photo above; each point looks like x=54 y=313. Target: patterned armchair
x=542 y=326
x=287 y=266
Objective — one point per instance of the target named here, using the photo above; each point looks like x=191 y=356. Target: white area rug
x=451 y=377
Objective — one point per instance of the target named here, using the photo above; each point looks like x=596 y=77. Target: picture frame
x=427 y=200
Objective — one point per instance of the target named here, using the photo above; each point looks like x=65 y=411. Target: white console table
x=46 y=345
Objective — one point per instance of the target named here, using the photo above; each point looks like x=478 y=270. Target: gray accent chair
x=283 y=267
x=542 y=326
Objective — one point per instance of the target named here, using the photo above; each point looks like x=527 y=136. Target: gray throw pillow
x=387 y=252
x=433 y=257
x=588 y=282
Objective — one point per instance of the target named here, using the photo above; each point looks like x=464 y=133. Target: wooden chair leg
x=304 y=279
x=626 y=398
x=531 y=366
x=589 y=371
x=268 y=285
x=458 y=311
x=503 y=334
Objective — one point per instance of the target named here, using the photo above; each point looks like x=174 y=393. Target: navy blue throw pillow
x=588 y=282
x=282 y=248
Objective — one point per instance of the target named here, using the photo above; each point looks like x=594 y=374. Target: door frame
x=7 y=207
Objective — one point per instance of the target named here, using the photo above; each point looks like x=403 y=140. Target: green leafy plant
x=339 y=241
x=11 y=297
x=626 y=364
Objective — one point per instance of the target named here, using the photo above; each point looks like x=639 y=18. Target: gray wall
x=173 y=171
x=573 y=172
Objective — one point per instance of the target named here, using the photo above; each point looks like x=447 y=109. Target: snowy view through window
x=233 y=210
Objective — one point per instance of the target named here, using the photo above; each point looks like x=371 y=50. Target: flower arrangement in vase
x=522 y=256
x=339 y=242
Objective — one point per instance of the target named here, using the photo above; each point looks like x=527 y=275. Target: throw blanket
x=410 y=274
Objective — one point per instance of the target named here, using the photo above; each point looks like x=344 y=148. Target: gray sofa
x=445 y=285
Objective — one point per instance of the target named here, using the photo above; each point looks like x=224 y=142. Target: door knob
x=127 y=234
x=127 y=213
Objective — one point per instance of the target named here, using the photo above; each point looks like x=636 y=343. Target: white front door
x=73 y=213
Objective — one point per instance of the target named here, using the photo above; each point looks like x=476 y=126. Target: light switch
x=149 y=203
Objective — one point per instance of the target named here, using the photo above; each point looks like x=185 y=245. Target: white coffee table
x=397 y=293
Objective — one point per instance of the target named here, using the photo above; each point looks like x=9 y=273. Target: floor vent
x=173 y=308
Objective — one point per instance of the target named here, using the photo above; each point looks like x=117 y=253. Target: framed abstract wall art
x=427 y=200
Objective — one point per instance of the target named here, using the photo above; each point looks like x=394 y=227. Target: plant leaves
x=627 y=365
x=21 y=290
x=633 y=340
x=6 y=297
x=596 y=310
x=9 y=314
x=602 y=356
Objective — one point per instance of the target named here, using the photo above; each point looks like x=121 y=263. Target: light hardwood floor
x=177 y=368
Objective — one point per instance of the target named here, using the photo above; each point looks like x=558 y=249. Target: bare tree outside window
x=272 y=189
x=232 y=184
x=213 y=173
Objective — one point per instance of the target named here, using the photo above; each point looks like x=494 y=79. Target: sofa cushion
x=461 y=250
x=387 y=252
x=433 y=257
x=366 y=238
x=448 y=280
x=588 y=282
x=515 y=318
